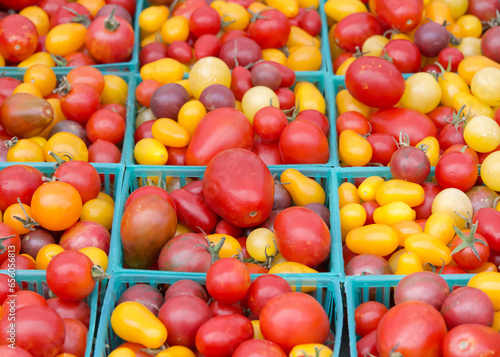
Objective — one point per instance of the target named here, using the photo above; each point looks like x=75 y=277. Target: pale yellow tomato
x=422 y=93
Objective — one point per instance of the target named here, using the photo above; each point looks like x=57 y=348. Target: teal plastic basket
x=35 y=281
x=359 y=289
x=18 y=73
x=324 y=84
x=327 y=293
x=324 y=176
x=112 y=188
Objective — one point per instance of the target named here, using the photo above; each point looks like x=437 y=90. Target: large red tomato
x=18 y=37
x=471 y=340
x=303 y=142
x=302 y=236
x=355 y=28
x=239 y=187
x=266 y=22
x=404 y=18
x=18 y=181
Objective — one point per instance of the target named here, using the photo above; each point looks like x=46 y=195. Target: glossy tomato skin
x=440 y=116
x=431 y=190
x=367 y=317
x=302 y=236
x=18 y=181
x=185 y=253
x=275 y=22
x=193 y=211
x=80 y=103
x=488 y=220
x=75 y=340
x=7 y=351
x=18 y=38
x=82 y=176
x=367 y=345
x=355 y=28
x=405 y=55
x=375 y=82
x=456 y=170
x=221 y=129
x=12 y=245
x=268 y=152
x=450 y=136
x=78 y=310
x=383 y=146
x=316 y=117
x=228 y=280
x=107 y=125
x=292 y=319
x=219 y=309
x=150 y=190
x=416 y=328
x=471 y=340
x=231 y=193
x=105 y=152
x=259 y=348
x=303 y=142
x=404 y=18
x=220 y=336
x=263 y=289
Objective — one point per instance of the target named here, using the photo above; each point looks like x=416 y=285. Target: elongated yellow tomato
x=374 y=45
x=152 y=18
x=37 y=58
x=348 y=193
x=151 y=38
x=354 y=148
x=164 y=71
x=176 y=351
x=393 y=213
x=470 y=46
x=485 y=85
x=208 y=71
x=288 y=7
x=311 y=349
x=25 y=150
x=170 y=133
x=175 y=29
x=409 y=263
x=352 y=216
x=122 y=352
x=150 y=151
x=405 y=229
x=451 y=84
x=234 y=14
x=308 y=96
x=67 y=146
x=488 y=266
x=398 y=190
x=490 y=171
x=346 y=102
x=488 y=282
x=471 y=26
x=430 y=145
x=342 y=70
x=440 y=225
x=230 y=247
x=309 y=3
x=305 y=58
x=133 y=322
x=454 y=202
x=469 y=66
x=257 y=334
x=299 y=37
x=394 y=259
x=294 y=268
x=303 y=189
x=429 y=249
x=257 y=98
x=482 y=134
x=473 y=106
x=191 y=114
x=274 y=55
x=378 y=239
x=65 y=39
x=338 y=9
x=422 y=93
x=39 y=18
x=40 y=141
x=369 y=187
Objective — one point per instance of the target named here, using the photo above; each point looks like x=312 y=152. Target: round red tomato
x=18 y=38
x=471 y=340
x=9 y=245
x=106 y=125
x=456 y=170
x=79 y=102
x=269 y=22
x=303 y=142
x=263 y=289
x=354 y=29
x=82 y=176
x=404 y=18
x=367 y=317
x=405 y=55
x=469 y=249
x=228 y=280
x=261 y=348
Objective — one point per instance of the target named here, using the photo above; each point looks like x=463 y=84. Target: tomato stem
x=59 y=160
x=468 y=241
x=98 y=273
x=9 y=144
x=64 y=88
x=59 y=60
x=111 y=24
x=78 y=18
x=257 y=16
x=3 y=248
x=29 y=222
x=212 y=248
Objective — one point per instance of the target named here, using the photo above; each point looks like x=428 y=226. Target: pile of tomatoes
x=429 y=320
x=188 y=122
x=236 y=317
x=228 y=213
x=62 y=33
x=81 y=118
x=238 y=32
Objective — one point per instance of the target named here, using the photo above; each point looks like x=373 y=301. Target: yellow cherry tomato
x=65 y=39
x=260 y=244
x=257 y=334
x=208 y=71
x=352 y=216
x=488 y=266
x=274 y=55
x=58 y=116
x=37 y=58
x=42 y=77
x=354 y=148
x=303 y=189
x=338 y=9
x=152 y=18
x=230 y=247
x=18 y=211
x=485 y=86
x=175 y=29
x=98 y=210
x=170 y=133
x=430 y=145
x=288 y=7
x=305 y=58
x=405 y=229
x=122 y=352
x=45 y=255
x=235 y=15
x=348 y=193
x=490 y=171
x=378 y=239
x=98 y=256
x=409 y=263
x=422 y=93
x=39 y=18
x=440 y=225
x=470 y=46
x=471 y=26
x=105 y=197
x=257 y=98
x=92 y=5
x=346 y=102
x=311 y=349
x=394 y=259
x=454 y=202
x=368 y=188
x=429 y=249
x=164 y=71
x=341 y=71
x=25 y=150
x=133 y=322
x=28 y=88
x=176 y=351
x=482 y=134
x=398 y=190
x=488 y=282
x=67 y=146
x=299 y=37
x=374 y=45
x=294 y=268
x=393 y=213
x=308 y=96
x=469 y=66
x=473 y=106
x=150 y=151
x=115 y=90
x=457 y=7
x=190 y=115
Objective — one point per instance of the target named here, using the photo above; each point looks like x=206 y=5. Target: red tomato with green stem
x=404 y=54
x=228 y=280
x=78 y=101
x=450 y=56
x=441 y=116
x=469 y=249
x=404 y=18
x=303 y=142
x=354 y=29
x=72 y=10
x=286 y=97
x=266 y=22
x=204 y=21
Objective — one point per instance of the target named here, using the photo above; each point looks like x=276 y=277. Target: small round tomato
x=150 y=151
x=106 y=125
x=98 y=210
x=18 y=38
x=228 y=280
x=260 y=244
x=66 y=146
x=46 y=254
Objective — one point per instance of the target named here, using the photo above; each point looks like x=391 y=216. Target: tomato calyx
x=59 y=159
x=3 y=248
x=9 y=144
x=258 y=15
x=458 y=119
x=98 y=273
x=393 y=352
x=433 y=267
x=27 y=222
x=59 y=60
x=317 y=352
x=212 y=248
x=78 y=18
x=404 y=140
x=64 y=88
x=111 y=24
x=391 y=32
x=494 y=22
x=468 y=241
x=153 y=352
